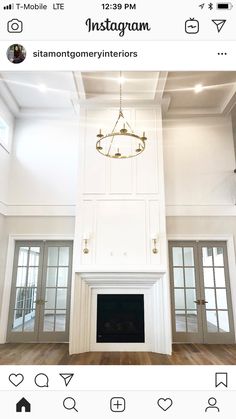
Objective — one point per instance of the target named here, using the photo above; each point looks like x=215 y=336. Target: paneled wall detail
x=121 y=231
x=121 y=202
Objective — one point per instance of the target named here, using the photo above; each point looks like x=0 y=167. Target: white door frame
x=9 y=271
x=229 y=239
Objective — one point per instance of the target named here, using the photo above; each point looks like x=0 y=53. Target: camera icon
x=15 y=26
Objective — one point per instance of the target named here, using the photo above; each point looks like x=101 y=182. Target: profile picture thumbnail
x=16 y=53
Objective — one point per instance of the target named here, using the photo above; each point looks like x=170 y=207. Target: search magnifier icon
x=69 y=404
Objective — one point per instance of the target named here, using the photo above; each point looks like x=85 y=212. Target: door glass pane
x=61 y=298
x=207 y=259
x=192 y=322
x=32 y=277
x=221 y=299
x=17 y=321
x=178 y=277
x=179 y=299
x=189 y=277
x=20 y=298
x=218 y=256
x=177 y=256
x=210 y=298
x=180 y=321
x=49 y=318
x=30 y=297
x=60 y=321
x=62 y=277
x=51 y=277
x=220 y=277
x=23 y=256
x=188 y=256
x=190 y=298
x=53 y=256
x=64 y=256
x=223 y=321
x=29 y=322
x=211 y=321
x=21 y=277
x=208 y=277
x=50 y=298
x=34 y=256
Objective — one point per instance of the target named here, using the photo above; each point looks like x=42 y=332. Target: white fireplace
x=120 y=238
x=84 y=320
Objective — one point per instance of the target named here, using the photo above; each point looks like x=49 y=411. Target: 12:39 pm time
x=118 y=6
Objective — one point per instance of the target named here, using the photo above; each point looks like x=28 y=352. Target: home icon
x=23 y=406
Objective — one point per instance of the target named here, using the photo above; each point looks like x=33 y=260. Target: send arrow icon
x=67 y=378
x=219 y=23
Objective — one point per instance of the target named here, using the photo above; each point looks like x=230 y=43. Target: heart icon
x=164 y=404
x=16 y=379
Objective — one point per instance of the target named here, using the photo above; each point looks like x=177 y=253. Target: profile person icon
x=212 y=405
x=16 y=53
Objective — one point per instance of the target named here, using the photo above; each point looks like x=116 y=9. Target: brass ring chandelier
x=122 y=142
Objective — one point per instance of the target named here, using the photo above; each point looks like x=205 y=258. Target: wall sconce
x=154 y=244
x=85 y=243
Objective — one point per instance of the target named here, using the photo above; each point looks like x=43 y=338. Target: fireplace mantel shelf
x=120 y=269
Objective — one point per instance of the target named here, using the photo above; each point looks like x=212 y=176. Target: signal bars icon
x=9 y=7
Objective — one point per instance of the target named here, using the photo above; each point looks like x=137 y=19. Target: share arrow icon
x=67 y=378
x=219 y=23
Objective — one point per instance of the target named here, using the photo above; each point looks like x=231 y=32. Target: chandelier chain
x=126 y=134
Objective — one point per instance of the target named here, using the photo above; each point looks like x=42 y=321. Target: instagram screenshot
x=117 y=209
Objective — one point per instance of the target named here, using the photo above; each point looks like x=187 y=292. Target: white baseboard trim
x=200 y=210
x=3 y=208
x=70 y=210
x=37 y=210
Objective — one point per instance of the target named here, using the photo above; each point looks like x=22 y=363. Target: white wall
x=40 y=226
x=121 y=202
x=3 y=253
x=44 y=162
x=201 y=226
x=4 y=155
x=199 y=161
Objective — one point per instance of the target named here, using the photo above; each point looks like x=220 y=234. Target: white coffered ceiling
x=137 y=86
x=61 y=92
x=218 y=89
x=30 y=92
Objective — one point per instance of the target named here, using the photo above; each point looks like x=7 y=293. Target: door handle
x=40 y=302
x=199 y=302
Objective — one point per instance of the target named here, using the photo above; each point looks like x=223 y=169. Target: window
x=4 y=135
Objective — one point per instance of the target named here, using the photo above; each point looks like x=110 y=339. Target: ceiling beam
x=8 y=98
x=79 y=84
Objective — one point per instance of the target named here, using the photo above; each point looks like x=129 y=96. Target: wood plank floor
x=57 y=354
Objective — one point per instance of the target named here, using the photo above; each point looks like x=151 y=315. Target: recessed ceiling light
x=121 y=80
x=198 y=88
x=42 y=88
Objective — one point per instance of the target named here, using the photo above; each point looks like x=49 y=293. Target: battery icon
x=224 y=6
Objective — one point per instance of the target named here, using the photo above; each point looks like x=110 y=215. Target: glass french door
x=200 y=288
x=40 y=296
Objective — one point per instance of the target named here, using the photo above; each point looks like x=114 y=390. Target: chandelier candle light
x=122 y=142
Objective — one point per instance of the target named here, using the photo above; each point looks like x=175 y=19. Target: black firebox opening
x=120 y=318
